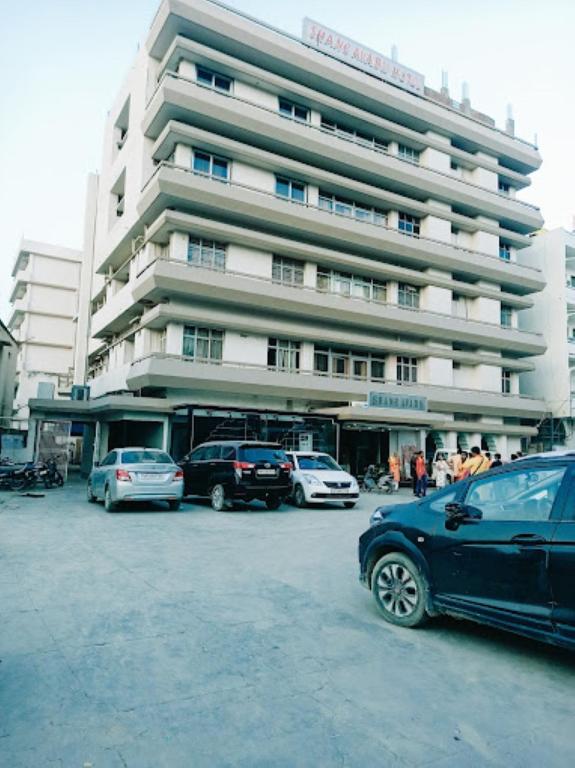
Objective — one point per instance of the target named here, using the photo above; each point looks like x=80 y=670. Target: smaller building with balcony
x=553 y=314
x=43 y=301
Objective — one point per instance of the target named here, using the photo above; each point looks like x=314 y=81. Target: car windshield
x=257 y=453
x=145 y=457
x=321 y=461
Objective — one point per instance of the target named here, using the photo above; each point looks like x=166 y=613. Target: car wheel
x=400 y=590
x=299 y=497
x=90 y=494
x=218 y=498
x=349 y=504
x=109 y=503
x=174 y=505
x=273 y=502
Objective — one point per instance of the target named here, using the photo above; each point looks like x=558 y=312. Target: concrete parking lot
x=148 y=638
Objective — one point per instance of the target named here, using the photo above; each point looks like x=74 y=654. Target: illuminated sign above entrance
x=329 y=41
x=399 y=402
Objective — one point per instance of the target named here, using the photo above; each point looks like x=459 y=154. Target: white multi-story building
x=553 y=313
x=298 y=240
x=44 y=305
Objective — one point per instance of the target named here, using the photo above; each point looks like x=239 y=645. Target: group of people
x=459 y=466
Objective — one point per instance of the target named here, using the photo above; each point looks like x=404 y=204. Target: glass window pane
x=377 y=369
x=201 y=162
x=222 y=83
x=323 y=281
x=282 y=187
x=520 y=495
x=298 y=192
x=300 y=113
x=204 y=76
x=220 y=168
x=326 y=202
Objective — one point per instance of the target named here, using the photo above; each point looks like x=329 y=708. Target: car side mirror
x=457 y=514
x=96 y=463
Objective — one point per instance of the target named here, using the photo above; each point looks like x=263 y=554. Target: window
x=408 y=153
x=350 y=134
x=210 y=165
x=504 y=189
x=145 y=457
x=345 y=207
x=287 y=271
x=121 y=125
x=526 y=494
x=441 y=498
x=293 y=111
x=506 y=382
x=347 y=363
x=213 y=79
x=347 y=284
x=290 y=189
x=408 y=296
x=407 y=370
x=206 y=253
x=283 y=354
x=409 y=225
x=202 y=343
x=109 y=460
x=506 y=316
x=504 y=251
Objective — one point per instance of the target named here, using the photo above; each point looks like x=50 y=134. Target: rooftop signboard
x=345 y=49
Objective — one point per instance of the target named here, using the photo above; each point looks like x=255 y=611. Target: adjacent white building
x=300 y=241
x=43 y=310
x=553 y=313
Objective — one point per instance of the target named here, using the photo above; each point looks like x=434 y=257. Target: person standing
x=421 y=475
x=476 y=463
x=441 y=467
x=413 y=472
x=455 y=462
x=394 y=467
x=496 y=461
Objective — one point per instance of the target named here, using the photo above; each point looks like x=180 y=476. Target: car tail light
x=123 y=474
x=287 y=465
x=243 y=465
x=178 y=474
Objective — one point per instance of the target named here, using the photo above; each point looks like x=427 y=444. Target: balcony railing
x=311 y=206
x=220 y=364
x=307 y=289
x=350 y=139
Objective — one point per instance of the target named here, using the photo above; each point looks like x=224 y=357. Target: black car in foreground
x=238 y=470
x=497 y=548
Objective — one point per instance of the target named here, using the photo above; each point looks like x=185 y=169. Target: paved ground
x=152 y=639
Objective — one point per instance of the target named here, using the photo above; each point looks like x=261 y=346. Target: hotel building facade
x=297 y=240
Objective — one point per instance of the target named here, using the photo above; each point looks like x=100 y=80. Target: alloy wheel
x=397 y=590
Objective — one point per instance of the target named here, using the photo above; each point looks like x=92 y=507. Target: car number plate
x=152 y=477
x=266 y=472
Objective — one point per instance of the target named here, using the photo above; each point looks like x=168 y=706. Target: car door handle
x=528 y=539
x=213 y=464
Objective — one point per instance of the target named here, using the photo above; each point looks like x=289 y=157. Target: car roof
x=566 y=453
x=308 y=453
x=138 y=448
x=241 y=443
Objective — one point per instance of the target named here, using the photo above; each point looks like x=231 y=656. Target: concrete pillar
x=310 y=275
x=183 y=155
x=178 y=248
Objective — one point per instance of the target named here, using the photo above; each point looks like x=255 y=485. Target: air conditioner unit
x=80 y=392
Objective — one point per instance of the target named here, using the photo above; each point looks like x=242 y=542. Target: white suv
x=317 y=478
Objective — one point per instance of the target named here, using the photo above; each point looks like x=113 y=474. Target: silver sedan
x=136 y=474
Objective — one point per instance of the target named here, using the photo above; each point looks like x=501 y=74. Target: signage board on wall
x=399 y=402
x=345 y=49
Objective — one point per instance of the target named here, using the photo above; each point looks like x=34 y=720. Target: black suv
x=236 y=470
x=498 y=548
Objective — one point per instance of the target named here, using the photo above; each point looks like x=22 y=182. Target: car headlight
x=354 y=484
x=312 y=480
x=379 y=515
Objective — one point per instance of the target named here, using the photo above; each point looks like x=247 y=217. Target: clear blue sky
x=62 y=62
